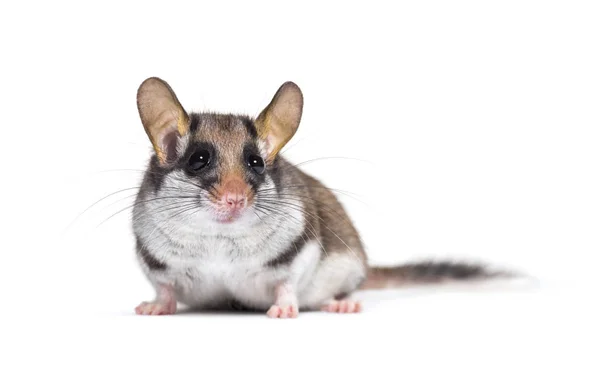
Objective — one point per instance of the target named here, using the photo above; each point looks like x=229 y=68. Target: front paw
x=283 y=311
x=156 y=308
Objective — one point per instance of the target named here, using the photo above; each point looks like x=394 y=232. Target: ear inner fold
x=162 y=115
x=278 y=122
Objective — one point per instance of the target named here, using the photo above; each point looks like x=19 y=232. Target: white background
x=464 y=129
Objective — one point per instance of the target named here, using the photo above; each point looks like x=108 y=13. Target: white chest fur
x=217 y=278
x=207 y=270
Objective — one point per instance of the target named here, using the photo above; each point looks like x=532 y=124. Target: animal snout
x=235 y=200
x=234 y=195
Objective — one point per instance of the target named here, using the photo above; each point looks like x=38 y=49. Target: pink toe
x=294 y=313
x=291 y=310
x=284 y=312
x=273 y=311
x=350 y=308
x=343 y=307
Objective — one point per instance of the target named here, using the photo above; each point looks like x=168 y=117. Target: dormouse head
x=214 y=162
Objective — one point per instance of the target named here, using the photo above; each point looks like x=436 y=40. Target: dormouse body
x=223 y=220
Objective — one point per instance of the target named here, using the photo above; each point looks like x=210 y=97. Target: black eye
x=256 y=163
x=199 y=159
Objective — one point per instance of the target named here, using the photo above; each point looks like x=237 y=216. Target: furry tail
x=427 y=272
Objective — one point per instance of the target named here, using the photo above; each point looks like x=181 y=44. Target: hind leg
x=336 y=277
x=342 y=306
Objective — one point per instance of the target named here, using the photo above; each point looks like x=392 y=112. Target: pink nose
x=235 y=201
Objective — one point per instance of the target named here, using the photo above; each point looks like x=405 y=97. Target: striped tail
x=427 y=272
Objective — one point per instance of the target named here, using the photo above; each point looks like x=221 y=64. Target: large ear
x=164 y=119
x=278 y=122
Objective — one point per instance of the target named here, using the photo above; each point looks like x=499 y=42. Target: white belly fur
x=215 y=281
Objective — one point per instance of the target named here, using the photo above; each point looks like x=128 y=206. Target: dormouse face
x=210 y=165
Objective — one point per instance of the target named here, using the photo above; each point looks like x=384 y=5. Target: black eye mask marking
x=155 y=174
x=256 y=163
x=199 y=160
x=200 y=164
